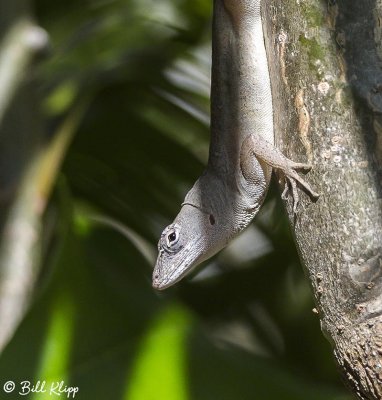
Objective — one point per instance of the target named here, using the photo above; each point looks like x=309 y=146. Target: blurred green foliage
x=241 y=329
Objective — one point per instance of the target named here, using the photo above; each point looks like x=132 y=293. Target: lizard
x=232 y=188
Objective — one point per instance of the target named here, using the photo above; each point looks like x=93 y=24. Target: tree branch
x=27 y=172
x=17 y=51
x=20 y=247
x=317 y=119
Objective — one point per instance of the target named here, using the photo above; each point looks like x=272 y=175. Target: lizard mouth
x=161 y=283
x=169 y=271
x=164 y=284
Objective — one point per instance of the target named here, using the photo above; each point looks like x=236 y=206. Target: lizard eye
x=172 y=238
x=169 y=241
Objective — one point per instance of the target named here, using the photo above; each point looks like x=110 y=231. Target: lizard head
x=183 y=245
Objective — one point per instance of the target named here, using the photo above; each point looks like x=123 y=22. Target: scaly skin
x=230 y=192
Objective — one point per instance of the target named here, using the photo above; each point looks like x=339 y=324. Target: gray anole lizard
x=231 y=190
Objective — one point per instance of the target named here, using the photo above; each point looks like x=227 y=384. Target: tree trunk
x=327 y=90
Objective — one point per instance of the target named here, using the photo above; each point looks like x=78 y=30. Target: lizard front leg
x=265 y=152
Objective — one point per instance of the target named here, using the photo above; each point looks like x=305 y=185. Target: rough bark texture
x=327 y=89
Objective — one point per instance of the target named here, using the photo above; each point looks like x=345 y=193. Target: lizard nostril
x=156 y=276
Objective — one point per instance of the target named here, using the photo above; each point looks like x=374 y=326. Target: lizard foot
x=291 y=178
x=269 y=154
x=289 y=169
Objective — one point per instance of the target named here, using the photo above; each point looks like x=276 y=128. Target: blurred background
x=103 y=130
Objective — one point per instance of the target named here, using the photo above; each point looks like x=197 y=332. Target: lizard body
x=231 y=190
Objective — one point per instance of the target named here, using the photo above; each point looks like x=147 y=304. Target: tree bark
x=327 y=90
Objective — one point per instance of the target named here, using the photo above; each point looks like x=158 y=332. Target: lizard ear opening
x=212 y=219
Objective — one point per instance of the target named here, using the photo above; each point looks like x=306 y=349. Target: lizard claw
x=293 y=185
x=291 y=180
x=284 y=194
